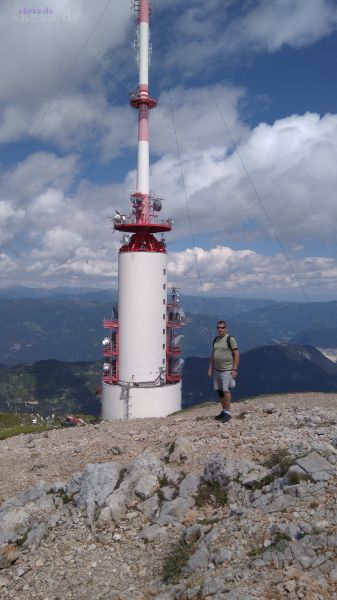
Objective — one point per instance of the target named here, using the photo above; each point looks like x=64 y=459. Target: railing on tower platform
x=175 y=320
x=110 y=352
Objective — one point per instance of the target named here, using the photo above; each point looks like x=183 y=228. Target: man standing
x=224 y=368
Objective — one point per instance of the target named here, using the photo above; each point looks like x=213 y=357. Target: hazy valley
x=50 y=347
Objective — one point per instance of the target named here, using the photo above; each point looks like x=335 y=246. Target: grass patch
x=210 y=521
x=65 y=498
x=12 y=424
x=170 y=448
x=279 y=544
x=293 y=478
x=160 y=495
x=267 y=480
x=21 y=540
x=12 y=431
x=277 y=458
x=163 y=481
x=210 y=493
x=279 y=462
x=257 y=551
x=175 y=561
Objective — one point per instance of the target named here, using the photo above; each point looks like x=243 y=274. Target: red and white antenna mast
x=142 y=371
x=144 y=217
x=143 y=103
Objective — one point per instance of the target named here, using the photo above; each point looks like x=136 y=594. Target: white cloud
x=57 y=231
x=50 y=203
x=292 y=166
x=38 y=171
x=47 y=61
x=197 y=122
x=75 y=123
x=41 y=97
x=38 y=53
x=10 y=221
x=57 y=242
x=8 y=267
x=271 y=25
x=56 y=237
x=222 y=270
x=204 y=33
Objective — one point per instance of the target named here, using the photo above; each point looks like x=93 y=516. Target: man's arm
x=236 y=359
x=210 y=369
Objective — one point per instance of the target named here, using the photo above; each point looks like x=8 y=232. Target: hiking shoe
x=219 y=416
x=225 y=418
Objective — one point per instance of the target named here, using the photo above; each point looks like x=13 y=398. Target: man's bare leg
x=226 y=401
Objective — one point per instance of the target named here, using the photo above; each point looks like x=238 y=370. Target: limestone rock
x=192 y=534
x=221 y=469
x=154 y=533
x=173 y=511
x=182 y=450
x=316 y=466
x=198 y=560
x=98 y=482
x=146 y=485
x=150 y=506
x=117 y=504
x=189 y=485
x=270 y=408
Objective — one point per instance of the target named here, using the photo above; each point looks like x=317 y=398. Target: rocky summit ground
x=175 y=508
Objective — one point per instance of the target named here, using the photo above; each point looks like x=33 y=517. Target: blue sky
x=251 y=86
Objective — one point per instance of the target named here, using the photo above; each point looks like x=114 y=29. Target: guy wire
x=263 y=208
x=188 y=210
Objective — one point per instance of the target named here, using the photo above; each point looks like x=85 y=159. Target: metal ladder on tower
x=125 y=397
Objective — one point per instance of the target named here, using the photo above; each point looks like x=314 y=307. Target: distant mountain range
x=267 y=370
x=62 y=328
x=67 y=325
x=322 y=338
x=21 y=292
x=50 y=386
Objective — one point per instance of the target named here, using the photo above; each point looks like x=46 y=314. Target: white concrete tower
x=142 y=369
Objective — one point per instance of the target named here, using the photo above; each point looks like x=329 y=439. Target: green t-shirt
x=222 y=355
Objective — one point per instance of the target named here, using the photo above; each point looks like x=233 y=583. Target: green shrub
x=280 y=542
x=210 y=493
x=277 y=458
x=175 y=561
x=21 y=540
x=293 y=478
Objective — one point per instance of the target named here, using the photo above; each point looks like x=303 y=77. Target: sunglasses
x=221 y=327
